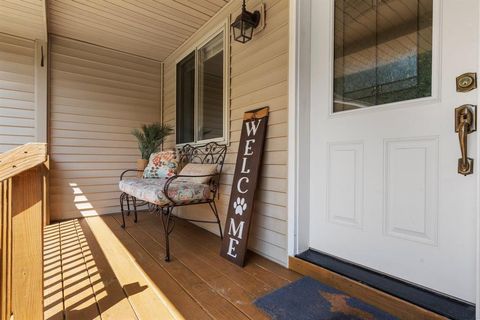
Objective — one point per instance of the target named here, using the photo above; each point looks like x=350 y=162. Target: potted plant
x=150 y=138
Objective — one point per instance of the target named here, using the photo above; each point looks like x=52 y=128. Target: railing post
x=27 y=241
x=23 y=213
x=6 y=249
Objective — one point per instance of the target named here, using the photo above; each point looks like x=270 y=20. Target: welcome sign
x=250 y=150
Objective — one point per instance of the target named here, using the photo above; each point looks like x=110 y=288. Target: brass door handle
x=465 y=123
x=464 y=163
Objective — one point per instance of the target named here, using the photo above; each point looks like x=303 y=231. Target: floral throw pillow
x=161 y=164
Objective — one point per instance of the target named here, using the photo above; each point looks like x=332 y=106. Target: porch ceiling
x=148 y=28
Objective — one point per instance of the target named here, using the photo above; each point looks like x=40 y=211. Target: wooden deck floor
x=96 y=270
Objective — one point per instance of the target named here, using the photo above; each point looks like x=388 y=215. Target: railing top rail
x=22 y=158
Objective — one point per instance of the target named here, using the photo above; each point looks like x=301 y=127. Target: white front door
x=384 y=188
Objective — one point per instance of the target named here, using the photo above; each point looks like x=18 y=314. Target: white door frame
x=477 y=167
x=299 y=135
x=298 y=127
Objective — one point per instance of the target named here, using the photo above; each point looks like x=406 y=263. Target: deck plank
x=94 y=269
x=112 y=301
x=216 y=272
x=79 y=298
x=207 y=283
x=259 y=267
x=255 y=286
x=255 y=279
x=160 y=279
x=209 y=246
x=146 y=300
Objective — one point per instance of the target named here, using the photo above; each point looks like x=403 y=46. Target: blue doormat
x=309 y=299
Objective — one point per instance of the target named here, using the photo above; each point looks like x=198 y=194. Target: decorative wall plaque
x=240 y=208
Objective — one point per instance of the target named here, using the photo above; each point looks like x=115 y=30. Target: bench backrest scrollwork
x=210 y=153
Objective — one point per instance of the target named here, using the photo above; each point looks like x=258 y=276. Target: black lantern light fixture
x=244 y=24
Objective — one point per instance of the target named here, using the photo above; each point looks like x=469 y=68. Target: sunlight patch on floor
x=127 y=270
x=90 y=273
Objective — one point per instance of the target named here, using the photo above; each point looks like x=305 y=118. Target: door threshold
x=400 y=298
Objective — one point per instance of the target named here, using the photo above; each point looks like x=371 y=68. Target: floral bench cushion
x=151 y=190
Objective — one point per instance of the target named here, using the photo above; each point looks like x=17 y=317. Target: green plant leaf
x=150 y=137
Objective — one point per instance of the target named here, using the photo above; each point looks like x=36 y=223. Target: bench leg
x=122 y=198
x=168 y=225
x=213 y=206
x=128 y=205
x=135 y=209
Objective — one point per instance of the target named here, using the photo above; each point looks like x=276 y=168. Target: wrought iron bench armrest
x=129 y=170
x=214 y=181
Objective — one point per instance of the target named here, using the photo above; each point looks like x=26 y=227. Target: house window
x=201 y=101
x=383 y=52
x=186 y=99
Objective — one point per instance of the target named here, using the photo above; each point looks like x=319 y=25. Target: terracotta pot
x=141 y=165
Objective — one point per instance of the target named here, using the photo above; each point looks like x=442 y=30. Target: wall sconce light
x=244 y=24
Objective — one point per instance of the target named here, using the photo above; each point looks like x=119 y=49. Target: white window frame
x=225 y=28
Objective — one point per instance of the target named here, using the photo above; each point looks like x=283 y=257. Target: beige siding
x=97 y=97
x=17 y=99
x=259 y=77
x=23 y=18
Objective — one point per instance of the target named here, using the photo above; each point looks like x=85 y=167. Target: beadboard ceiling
x=148 y=28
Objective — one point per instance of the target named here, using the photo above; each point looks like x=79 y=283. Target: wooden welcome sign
x=240 y=208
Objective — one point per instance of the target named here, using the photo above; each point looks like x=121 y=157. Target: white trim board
x=477 y=167
x=298 y=126
x=41 y=89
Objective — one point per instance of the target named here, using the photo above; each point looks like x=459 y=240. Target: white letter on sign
x=244 y=164
x=248 y=147
x=236 y=232
x=252 y=127
x=231 y=248
x=239 y=189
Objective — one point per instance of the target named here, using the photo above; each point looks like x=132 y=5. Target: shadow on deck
x=96 y=270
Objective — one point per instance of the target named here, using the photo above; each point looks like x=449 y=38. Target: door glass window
x=383 y=52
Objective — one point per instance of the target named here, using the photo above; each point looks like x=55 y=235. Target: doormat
x=309 y=299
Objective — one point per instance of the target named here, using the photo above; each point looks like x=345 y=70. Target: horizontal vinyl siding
x=259 y=77
x=97 y=97
x=17 y=98
x=23 y=18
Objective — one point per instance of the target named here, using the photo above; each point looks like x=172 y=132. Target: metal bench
x=210 y=153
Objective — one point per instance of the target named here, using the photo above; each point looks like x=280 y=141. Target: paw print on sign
x=240 y=206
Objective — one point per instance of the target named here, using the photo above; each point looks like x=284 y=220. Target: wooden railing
x=23 y=213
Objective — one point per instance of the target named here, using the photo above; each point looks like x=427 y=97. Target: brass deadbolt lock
x=467 y=82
